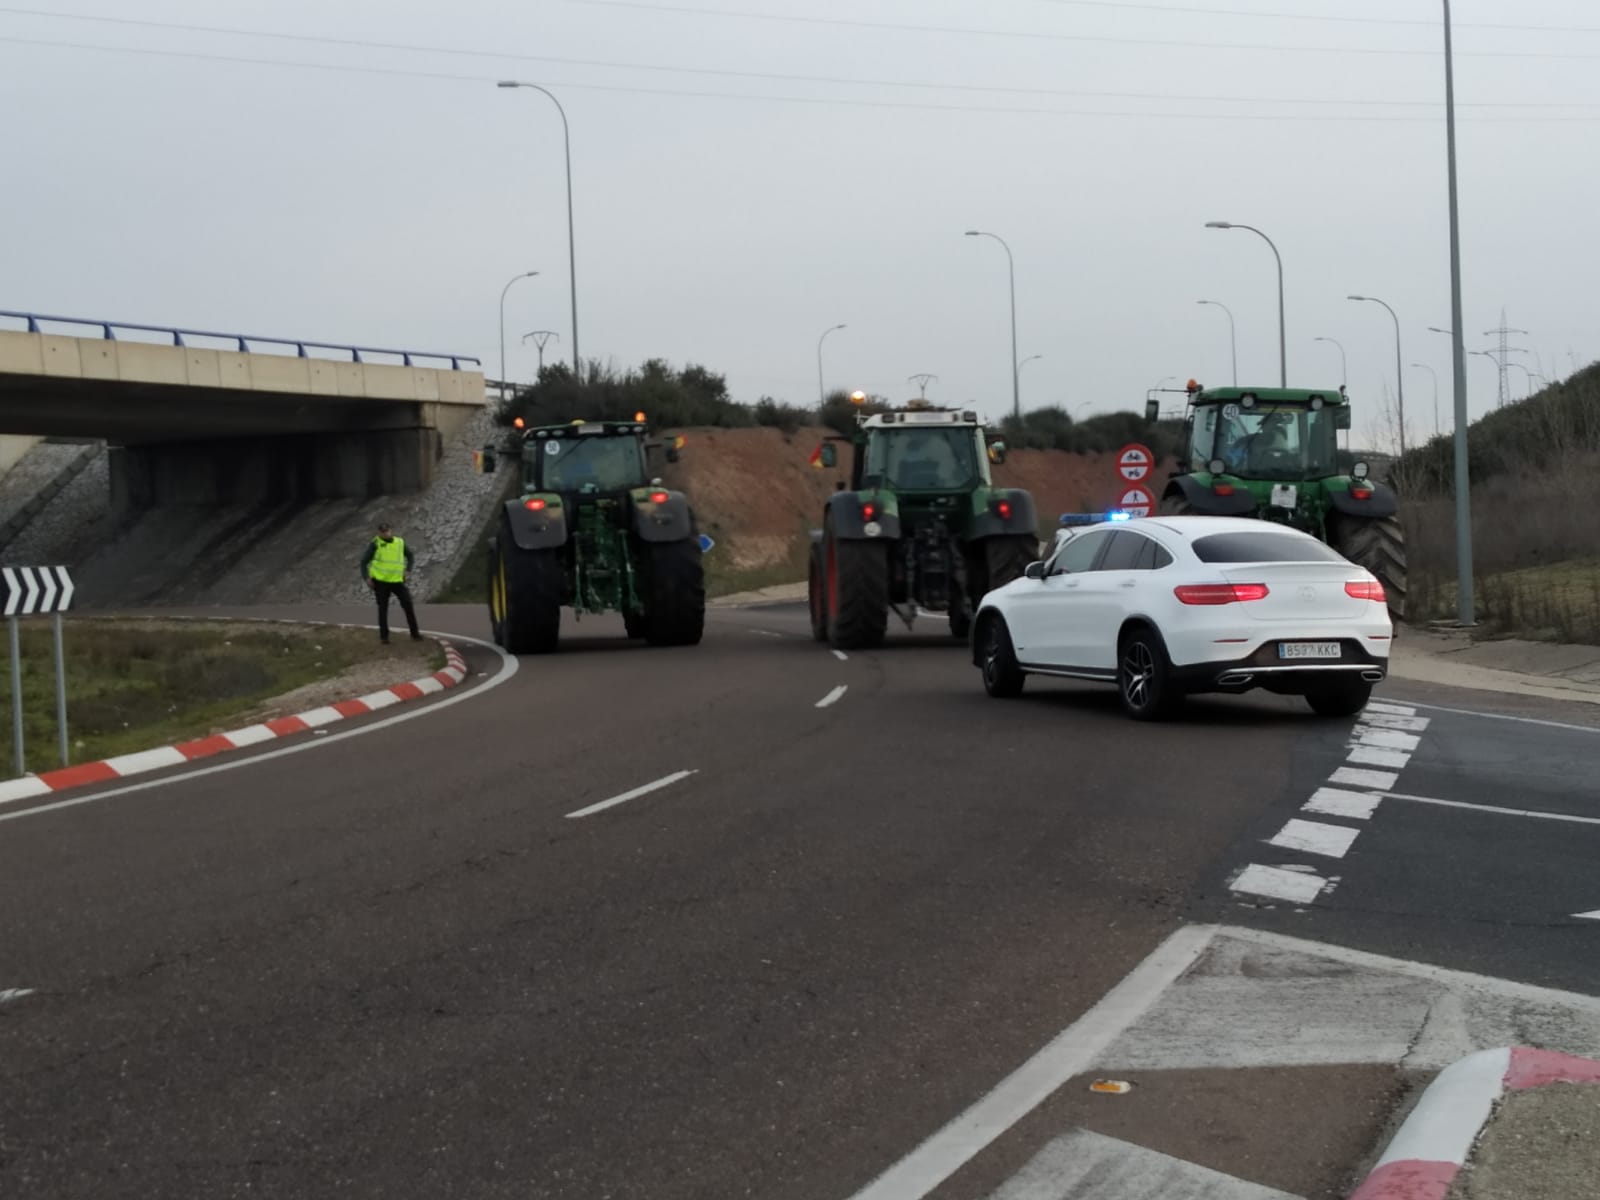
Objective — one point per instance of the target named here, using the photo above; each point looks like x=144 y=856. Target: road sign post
x=29 y=592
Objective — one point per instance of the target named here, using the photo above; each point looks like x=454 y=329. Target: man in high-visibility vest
x=384 y=567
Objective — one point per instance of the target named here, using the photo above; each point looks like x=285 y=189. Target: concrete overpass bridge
x=258 y=418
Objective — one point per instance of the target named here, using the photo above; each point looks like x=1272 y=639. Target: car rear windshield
x=1262 y=547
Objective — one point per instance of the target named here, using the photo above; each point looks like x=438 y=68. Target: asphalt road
x=394 y=964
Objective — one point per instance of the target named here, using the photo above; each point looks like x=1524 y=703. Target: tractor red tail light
x=1223 y=489
x=1004 y=509
x=869 y=510
x=1365 y=589
x=1220 y=593
x=659 y=497
x=533 y=505
x=1360 y=493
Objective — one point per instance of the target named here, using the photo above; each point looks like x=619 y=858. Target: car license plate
x=1285 y=495
x=1309 y=650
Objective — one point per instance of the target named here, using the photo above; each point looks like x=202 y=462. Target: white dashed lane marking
x=665 y=781
x=833 y=696
x=1380 y=746
x=9 y=994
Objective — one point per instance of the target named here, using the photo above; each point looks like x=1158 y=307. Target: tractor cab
x=1272 y=434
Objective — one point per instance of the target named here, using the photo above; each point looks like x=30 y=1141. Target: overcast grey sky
x=389 y=204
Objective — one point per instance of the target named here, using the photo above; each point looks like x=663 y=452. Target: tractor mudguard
x=1382 y=503
x=850 y=522
x=1207 y=503
x=1023 y=519
x=541 y=529
x=670 y=521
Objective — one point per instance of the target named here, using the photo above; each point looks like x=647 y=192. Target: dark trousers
x=383 y=591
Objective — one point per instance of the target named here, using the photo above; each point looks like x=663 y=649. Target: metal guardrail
x=243 y=340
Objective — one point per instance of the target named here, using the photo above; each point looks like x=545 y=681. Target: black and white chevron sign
x=31 y=591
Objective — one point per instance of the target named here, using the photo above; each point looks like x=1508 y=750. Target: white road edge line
x=1071 y=1052
x=1494 y=808
x=1468 y=712
x=833 y=696
x=841 y=656
x=509 y=667
x=664 y=781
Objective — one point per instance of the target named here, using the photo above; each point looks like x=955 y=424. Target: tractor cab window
x=924 y=460
x=1276 y=442
x=1203 y=437
x=590 y=464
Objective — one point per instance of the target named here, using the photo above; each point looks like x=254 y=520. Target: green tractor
x=1272 y=453
x=919 y=529
x=591 y=530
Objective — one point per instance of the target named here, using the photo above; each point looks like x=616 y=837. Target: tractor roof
x=1261 y=395
x=917 y=416
x=582 y=428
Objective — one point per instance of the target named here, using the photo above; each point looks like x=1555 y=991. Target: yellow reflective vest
x=388 y=560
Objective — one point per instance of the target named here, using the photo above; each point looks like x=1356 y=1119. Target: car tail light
x=659 y=497
x=1004 y=509
x=1365 y=589
x=1223 y=489
x=1220 y=593
x=869 y=510
x=533 y=505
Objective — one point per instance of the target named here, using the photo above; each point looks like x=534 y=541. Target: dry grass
x=134 y=685
x=1535 y=543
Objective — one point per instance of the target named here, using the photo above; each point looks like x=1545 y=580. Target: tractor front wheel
x=857 y=594
x=524 y=596
x=1379 y=546
x=1176 y=506
x=675 y=593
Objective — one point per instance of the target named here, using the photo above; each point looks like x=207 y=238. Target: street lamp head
x=1219 y=224
x=1357 y=297
x=508 y=83
x=974 y=233
x=1436 y=329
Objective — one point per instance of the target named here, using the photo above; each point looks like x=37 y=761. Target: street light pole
x=1344 y=363
x=1437 y=428
x=572 y=249
x=1283 y=336
x=1399 y=370
x=822 y=395
x=1464 y=607
x=503 y=291
x=1016 y=383
x=1233 y=336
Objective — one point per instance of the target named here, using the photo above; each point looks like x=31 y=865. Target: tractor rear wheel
x=857 y=576
x=817 y=592
x=524 y=596
x=675 y=593
x=1007 y=558
x=1379 y=546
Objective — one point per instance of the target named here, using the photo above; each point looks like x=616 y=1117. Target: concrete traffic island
x=1515 y=1123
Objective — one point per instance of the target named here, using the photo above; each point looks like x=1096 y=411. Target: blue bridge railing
x=243 y=340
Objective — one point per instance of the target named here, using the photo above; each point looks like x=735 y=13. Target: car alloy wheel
x=993 y=655
x=1138 y=674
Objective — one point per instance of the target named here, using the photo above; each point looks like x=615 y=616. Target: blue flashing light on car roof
x=1070 y=519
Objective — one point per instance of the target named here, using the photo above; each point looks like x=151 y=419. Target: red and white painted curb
x=29 y=786
x=1432 y=1145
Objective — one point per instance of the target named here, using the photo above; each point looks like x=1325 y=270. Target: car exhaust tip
x=1234 y=678
x=1372 y=676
